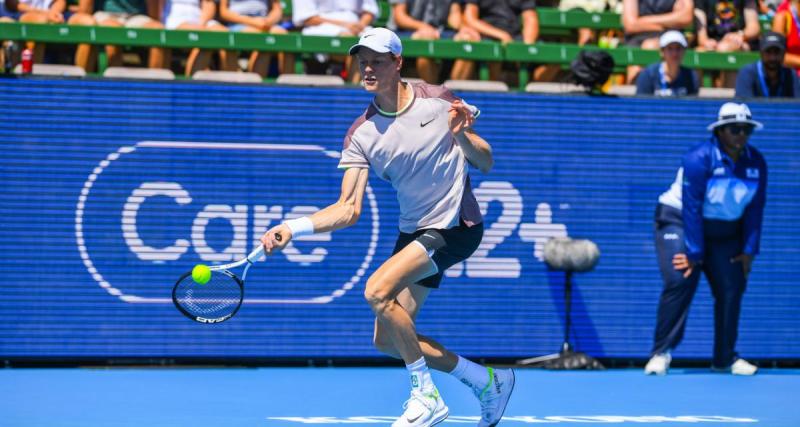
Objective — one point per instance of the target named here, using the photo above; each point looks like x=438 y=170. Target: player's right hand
x=276 y=238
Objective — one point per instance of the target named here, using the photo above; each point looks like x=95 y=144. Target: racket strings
x=217 y=298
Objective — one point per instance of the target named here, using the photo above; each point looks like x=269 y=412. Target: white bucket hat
x=731 y=112
x=380 y=40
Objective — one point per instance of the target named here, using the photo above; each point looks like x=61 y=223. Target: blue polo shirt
x=651 y=81
x=751 y=83
x=719 y=194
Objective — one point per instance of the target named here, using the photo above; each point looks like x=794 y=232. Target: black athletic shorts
x=450 y=246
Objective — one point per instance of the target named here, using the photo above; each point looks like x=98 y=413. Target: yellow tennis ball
x=201 y=274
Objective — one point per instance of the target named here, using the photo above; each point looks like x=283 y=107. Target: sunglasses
x=740 y=129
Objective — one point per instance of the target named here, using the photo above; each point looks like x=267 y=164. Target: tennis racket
x=221 y=297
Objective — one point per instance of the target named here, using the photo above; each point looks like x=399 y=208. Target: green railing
x=482 y=52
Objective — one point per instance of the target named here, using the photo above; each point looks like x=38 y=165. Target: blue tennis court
x=233 y=397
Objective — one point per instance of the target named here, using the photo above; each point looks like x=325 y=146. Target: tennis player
x=419 y=138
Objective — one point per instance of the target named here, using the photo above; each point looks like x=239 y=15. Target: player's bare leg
x=491 y=386
x=425 y=407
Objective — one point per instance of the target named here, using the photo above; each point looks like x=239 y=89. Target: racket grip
x=257 y=253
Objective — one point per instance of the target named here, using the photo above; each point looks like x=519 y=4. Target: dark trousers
x=727 y=281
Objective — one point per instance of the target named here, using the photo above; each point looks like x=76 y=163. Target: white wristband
x=300 y=226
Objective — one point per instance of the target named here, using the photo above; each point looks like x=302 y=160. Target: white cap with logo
x=672 y=36
x=380 y=40
x=731 y=112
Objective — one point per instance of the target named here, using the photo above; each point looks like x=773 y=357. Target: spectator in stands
x=128 y=14
x=54 y=12
x=644 y=20
x=335 y=18
x=668 y=77
x=256 y=16
x=499 y=20
x=585 y=35
x=726 y=26
x=768 y=77
x=197 y=15
x=7 y=15
x=433 y=20
x=8 y=10
x=787 y=22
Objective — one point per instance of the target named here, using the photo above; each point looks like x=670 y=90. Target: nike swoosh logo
x=411 y=420
x=422 y=125
x=368 y=35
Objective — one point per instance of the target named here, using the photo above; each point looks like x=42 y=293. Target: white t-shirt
x=343 y=10
x=415 y=151
x=249 y=7
x=38 y=4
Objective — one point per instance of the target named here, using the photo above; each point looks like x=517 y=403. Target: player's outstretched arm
x=343 y=213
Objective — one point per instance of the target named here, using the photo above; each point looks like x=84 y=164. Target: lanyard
x=665 y=89
x=763 y=81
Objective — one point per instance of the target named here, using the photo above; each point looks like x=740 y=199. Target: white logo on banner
x=236 y=215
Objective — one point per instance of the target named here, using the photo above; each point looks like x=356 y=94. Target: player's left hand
x=460 y=117
x=747 y=262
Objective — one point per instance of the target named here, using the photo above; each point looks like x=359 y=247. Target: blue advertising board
x=112 y=189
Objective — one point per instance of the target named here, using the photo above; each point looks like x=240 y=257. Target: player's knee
x=377 y=296
x=377 y=300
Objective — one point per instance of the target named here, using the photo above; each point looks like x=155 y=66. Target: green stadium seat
x=716 y=92
x=139 y=73
x=547 y=87
x=476 y=85
x=227 y=76
x=309 y=80
x=54 y=70
x=622 y=90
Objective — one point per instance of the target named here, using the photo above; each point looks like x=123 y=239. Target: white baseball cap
x=670 y=37
x=380 y=40
x=731 y=112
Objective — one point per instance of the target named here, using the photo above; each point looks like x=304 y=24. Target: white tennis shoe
x=422 y=410
x=739 y=367
x=494 y=397
x=658 y=364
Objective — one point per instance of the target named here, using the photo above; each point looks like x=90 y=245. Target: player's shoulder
x=368 y=113
x=358 y=122
x=427 y=90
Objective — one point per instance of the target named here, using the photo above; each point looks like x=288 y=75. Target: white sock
x=420 y=376
x=473 y=375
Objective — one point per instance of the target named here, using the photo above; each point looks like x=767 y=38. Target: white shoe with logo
x=743 y=367
x=658 y=364
x=422 y=410
x=494 y=397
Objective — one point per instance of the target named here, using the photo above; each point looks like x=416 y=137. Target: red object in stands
x=27 y=61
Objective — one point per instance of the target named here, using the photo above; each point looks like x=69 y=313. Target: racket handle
x=257 y=253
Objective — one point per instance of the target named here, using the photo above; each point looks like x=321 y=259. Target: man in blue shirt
x=710 y=221
x=768 y=77
x=668 y=78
